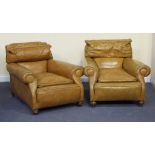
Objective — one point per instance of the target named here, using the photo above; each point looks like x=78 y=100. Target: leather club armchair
x=113 y=74
x=39 y=80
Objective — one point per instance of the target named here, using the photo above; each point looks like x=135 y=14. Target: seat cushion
x=51 y=79
x=115 y=75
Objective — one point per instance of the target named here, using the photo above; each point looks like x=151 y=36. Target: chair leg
x=80 y=103
x=35 y=111
x=12 y=93
x=141 y=102
x=93 y=103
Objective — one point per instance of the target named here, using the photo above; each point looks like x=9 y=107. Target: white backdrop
x=70 y=46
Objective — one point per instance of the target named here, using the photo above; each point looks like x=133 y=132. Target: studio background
x=69 y=47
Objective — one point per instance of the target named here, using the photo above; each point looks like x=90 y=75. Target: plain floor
x=14 y=110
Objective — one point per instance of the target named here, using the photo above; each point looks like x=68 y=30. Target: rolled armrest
x=20 y=72
x=136 y=68
x=91 y=67
x=65 y=69
x=91 y=70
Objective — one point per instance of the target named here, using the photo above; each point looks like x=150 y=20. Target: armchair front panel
x=120 y=91
x=58 y=95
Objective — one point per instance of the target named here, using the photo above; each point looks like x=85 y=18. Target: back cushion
x=35 y=67
x=109 y=62
x=108 y=48
x=28 y=52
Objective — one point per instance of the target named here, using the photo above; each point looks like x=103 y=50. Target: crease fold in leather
x=108 y=48
x=24 y=52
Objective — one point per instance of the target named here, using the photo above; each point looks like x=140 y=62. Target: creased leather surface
x=139 y=70
x=35 y=67
x=67 y=70
x=118 y=91
x=108 y=48
x=51 y=79
x=22 y=52
x=39 y=80
x=58 y=95
x=92 y=71
x=21 y=90
x=109 y=62
x=21 y=73
x=136 y=68
x=113 y=74
x=64 y=69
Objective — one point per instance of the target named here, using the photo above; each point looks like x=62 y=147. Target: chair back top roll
x=28 y=52
x=120 y=48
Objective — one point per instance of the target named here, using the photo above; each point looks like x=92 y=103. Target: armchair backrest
x=108 y=53
x=32 y=55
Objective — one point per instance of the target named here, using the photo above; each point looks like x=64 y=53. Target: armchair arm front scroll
x=71 y=71
x=21 y=73
x=91 y=70
x=136 y=68
x=65 y=69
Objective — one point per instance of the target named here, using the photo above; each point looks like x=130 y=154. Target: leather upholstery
x=39 y=80
x=51 y=79
x=21 y=73
x=23 y=52
x=113 y=74
x=108 y=48
x=58 y=95
x=109 y=62
x=35 y=67
x=123 y=91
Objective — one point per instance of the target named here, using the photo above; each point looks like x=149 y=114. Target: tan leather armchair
x=39 y=80
x=113 y=74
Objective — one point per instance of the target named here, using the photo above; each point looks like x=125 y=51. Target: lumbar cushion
x=109 y=62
